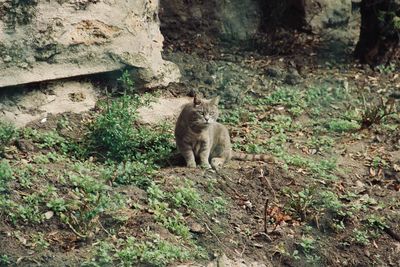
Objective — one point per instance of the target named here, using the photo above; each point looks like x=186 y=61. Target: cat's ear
x=196 y=101
x=215 y=100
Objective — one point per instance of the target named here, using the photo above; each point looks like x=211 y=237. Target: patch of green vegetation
x=317 y=168
x=4 y=260
x=153 y=251
x=378 y=162
x=234 y=116
x=321 y=143
x=282 y=124
x=7 y=133
x=376 y=222
x=26 y=176
x=311 y=204
x=27 y=211
x=6 y=175
x=291 y=98
x=53 y=141
x=39 y=242
x=342 y=125
x=361 y=237
x=129 y=173
x=300 y=203
x=114 y=135
x=89 y=199
x=126 y=83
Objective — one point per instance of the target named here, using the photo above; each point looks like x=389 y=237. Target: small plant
x=374 y=113
x=361 y=237
x=57 y=205
x=307 y=244
x=7 y=133
x=376 y=222
x=386 y=68
x=152 y=251
x=186 y=196
x=5 y=260
x=330 y=201
x=301 y=203
x=90 y=198
x=115 y=136
x=6 y=175
x=341 y=125
x=39 y=243
x=217 y=205
x=126 y=82
x=321 y=143
x=130 y=172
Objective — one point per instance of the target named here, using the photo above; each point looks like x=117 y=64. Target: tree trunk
x=379 y=35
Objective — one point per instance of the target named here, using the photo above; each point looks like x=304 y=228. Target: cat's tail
x=252 y=157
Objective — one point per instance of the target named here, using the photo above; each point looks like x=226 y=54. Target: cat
x=200 y=137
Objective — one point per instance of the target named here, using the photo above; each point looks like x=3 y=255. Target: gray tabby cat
x=200 y=137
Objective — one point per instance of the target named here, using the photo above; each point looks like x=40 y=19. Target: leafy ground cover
x=101 y=189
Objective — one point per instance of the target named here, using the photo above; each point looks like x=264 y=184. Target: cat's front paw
x=191 y=164
x=217 y=163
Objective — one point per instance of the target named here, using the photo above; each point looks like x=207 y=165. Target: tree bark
x=379 y=37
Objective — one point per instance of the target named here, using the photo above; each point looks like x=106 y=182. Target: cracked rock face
x=46 y=40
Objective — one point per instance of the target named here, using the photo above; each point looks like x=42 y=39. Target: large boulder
x=325 y=14
x=234 y=20
x=46 y=40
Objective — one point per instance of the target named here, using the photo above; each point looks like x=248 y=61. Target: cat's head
x=205 y=111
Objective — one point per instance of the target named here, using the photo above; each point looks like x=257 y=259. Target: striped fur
x=199 y=137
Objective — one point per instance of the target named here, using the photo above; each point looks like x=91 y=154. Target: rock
x=36 y=104
x=273 y=72
x=292 y=79
x=25 y=145
x=70 y=38
x=323 y=14
x=196 y=227
x=162 y=109
x=233 y=20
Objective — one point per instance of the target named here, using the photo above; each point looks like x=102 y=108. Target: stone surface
x=233 y=20
x=324 y=14
x=47 y=40
x=60 y=97
x=163 y=109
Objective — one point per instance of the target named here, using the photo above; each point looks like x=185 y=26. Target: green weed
x=6 y=175
x=376 y=222
x=151 y=251
x=301 y=203
x=186 y=196
x=57 y=205
x=7 y=133
x=361 y=237
x=321 y=143
x=126 y=83
x=115 y=136
x=5 y=260
x=129 y=173
x=342 y=125
x=39 y=243
x=291 y=98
